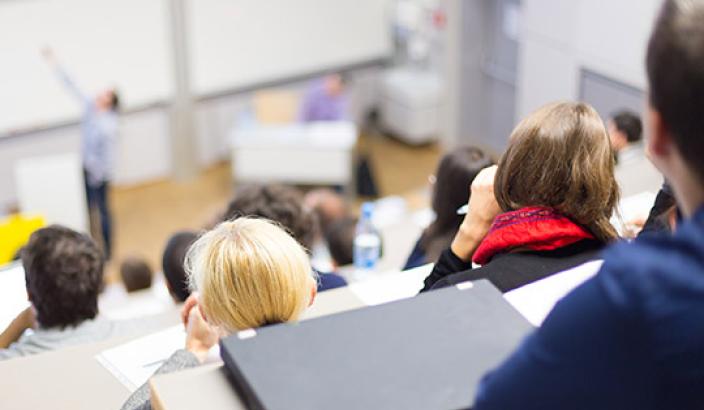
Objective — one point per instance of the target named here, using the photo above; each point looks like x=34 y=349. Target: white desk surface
x=69 y=378
x=338 y=135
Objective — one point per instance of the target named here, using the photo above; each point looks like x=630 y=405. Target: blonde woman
x=543 y=210
x=245 y=274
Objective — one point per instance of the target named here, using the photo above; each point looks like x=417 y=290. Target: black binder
x=427 y=352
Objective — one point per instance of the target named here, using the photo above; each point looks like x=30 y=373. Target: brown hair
x=136 y=274
x=675 y=65
x=560 y=157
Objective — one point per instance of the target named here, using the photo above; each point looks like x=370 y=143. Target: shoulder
x=655 y=267
x=328 y=281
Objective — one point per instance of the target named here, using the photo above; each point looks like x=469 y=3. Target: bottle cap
x=367 y=209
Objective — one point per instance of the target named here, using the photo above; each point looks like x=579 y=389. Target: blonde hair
x=249 y=273
x=560 y=157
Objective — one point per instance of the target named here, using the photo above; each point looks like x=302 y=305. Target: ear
x=659 y=142
x=202 y=313
x=313 y=294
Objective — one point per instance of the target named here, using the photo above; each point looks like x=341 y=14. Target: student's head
x=64 y=274
x=560 y=157
x=675 y=67
x=250 y=273
x=328 y=205
x=279 y=203
x=339 y=237
x=172 y=264
x=451 y=183
x=108 y=99
x=625 y=128
x=136 y=274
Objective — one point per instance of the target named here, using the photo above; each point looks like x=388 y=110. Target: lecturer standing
x=99 y=128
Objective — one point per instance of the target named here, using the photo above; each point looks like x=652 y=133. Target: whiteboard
x=240 y=43
x=101 y=42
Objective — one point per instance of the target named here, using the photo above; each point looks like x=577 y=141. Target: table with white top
x=317 y=153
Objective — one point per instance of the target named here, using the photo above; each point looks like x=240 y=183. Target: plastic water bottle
x=367 y=243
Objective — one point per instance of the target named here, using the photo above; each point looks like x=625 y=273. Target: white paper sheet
x=389 y=287
x=534 y=301
x=13 y=293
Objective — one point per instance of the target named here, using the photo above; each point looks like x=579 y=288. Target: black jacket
x=508 y=271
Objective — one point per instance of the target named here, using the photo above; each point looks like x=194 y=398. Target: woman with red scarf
x=544 y=209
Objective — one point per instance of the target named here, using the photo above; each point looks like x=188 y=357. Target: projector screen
x=240 y=43
x=101 y=43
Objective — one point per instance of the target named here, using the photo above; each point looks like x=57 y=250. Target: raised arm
x=68 y=82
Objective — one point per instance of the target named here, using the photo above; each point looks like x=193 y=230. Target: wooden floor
x=145 y=216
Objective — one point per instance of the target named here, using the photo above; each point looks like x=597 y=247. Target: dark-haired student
x=543 y=210
x=136 y=274
x=172 y=264
x=632 y=337
x=64 y=274
x=284 y=205
x=99 y=129
x=634 y=172
x=457 y=168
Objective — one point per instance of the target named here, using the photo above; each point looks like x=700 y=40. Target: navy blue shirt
x=630 y=338
x=327 y=281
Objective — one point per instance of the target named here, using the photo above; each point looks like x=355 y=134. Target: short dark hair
x=630 y=124
x=64 y=275
x=675 y=66
x=279 y=203
x=136 y=274
x=115 y=101
x=339 y=237
x=172 y=264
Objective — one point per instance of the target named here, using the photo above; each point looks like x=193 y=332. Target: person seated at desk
x=172 y=264
x=634 y=172
x=632 y=337
x=238 y=269
x=545 y=209
x=64 y=275
x=325 y=100
x=456 y=169
x=136 y=274
x=282 y=204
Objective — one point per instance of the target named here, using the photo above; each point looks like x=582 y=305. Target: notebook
x=427 y=352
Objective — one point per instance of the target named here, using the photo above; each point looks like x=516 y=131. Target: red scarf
x=536 y=228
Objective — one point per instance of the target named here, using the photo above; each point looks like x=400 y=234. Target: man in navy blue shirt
x=633 y=336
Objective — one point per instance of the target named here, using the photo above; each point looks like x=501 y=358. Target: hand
x=25 y=320
x=483 y=208
x=200 y=336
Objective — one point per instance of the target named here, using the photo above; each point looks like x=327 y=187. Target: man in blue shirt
x=99 y=126
x=633 y=336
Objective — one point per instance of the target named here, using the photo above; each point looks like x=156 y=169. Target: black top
x=508 y=271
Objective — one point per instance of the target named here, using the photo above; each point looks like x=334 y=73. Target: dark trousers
x=98 y=200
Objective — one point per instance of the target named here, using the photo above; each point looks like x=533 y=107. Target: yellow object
x=15 y=231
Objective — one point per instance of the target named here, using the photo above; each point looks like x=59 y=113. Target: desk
x=186 y=389
x=69 y=378
x=318 y=153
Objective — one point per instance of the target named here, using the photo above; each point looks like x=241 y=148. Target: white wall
x=559 y=38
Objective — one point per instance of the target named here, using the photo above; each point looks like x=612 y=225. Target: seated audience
x=329 y=205
x=632 y=337
x=64 y=274
x=282 y=204
x=339 y=237
x=634 y=172
x=545 y=209
x=136 y=274
x=172 y=264
x=238 y=269
x=457 y=169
